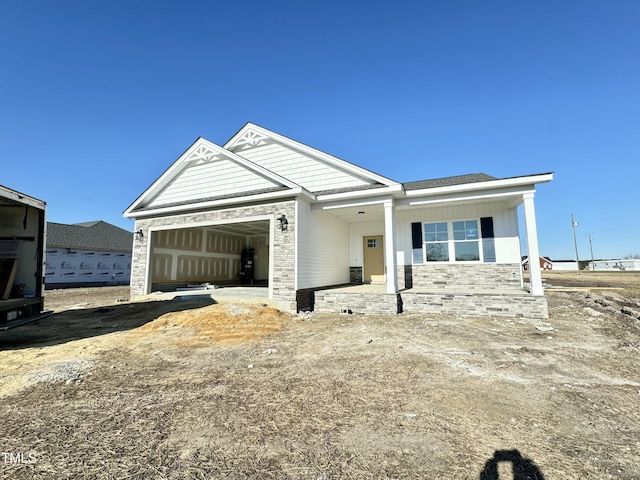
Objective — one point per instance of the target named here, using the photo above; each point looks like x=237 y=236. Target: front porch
x=373 y=299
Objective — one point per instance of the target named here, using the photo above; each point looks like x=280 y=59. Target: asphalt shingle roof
x=448 y=181
x=96 y=235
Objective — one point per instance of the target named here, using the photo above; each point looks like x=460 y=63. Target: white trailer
x=22 y=244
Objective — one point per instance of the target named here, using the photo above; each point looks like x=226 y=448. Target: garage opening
x=223 y=255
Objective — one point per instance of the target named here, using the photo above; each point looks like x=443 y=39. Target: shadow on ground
x=76 y=324
x=522 y=468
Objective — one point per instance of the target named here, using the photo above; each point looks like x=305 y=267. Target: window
x=465 y=240
x=457 y=241
x=373 y=242
x=436 y=240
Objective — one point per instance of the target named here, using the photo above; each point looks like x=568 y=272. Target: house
x=622 y=264
x=87 y=254
x=322 y=233
x=22 y=240
x=544 y=263
x=565 y=265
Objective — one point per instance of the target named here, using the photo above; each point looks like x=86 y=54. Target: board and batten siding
x=322 y=248
x=220 y=177
x=505 y=225
x=357 y=231
x=312 y=174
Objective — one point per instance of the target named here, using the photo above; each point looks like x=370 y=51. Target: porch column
x=532 y=245
x=390 y=246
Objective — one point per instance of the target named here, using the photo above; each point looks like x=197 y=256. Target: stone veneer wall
x=461 y=304
x=327 y=301
x=283 y=261
x=460 y=276
x=477 y=304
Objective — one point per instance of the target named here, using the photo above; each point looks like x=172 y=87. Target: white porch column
x=532 y=245
x=390 y=246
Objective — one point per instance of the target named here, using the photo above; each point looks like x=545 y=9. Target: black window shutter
x=416 y=234
x=486 y=227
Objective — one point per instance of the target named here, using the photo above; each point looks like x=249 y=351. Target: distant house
x=545 y=263
x=612 y=265
x=565 y=265
x=87 y=254
x=267 y=209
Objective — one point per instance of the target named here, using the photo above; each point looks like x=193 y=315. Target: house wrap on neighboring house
x=274 y=211
x=87 y=254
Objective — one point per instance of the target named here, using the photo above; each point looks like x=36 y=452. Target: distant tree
x=632 y=257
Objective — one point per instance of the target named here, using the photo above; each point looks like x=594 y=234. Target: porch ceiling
x=362 y=213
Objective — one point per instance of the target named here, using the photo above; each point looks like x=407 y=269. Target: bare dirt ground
x=189 y=388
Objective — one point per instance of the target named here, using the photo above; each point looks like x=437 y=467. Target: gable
x=314 y=170
x=206 y=172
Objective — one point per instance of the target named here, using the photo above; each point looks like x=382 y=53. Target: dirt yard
x=106 y=388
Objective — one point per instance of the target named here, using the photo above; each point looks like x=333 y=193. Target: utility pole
x=574 y=224
x=593 y=265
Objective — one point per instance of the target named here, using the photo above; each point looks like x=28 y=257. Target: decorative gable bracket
x=250 y=138
x=201 y=155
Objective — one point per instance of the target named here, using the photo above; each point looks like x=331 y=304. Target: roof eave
x=528 y=180
x=393 y=190
x=225 y=202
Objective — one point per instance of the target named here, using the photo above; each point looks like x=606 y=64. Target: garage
x=229 y=254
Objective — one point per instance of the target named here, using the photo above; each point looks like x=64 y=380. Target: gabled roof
x=258 y=165
x=206 y=172
x=255 y=143
x=96 y=235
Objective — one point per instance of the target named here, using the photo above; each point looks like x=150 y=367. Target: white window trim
x=451 y=243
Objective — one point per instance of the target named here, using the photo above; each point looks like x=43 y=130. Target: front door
x=373 y=258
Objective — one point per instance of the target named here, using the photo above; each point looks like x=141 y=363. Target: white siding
x=312 y=174
x=323 y=248
x=356 y=232
x=212 y=179
x=505 y=225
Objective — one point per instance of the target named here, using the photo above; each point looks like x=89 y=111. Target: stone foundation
x=467 y=276
x=355 y=275
x=327 y=301
x=477 y=304
x=515 y=305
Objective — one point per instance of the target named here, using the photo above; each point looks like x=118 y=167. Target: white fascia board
x=248 y=199
x=502 y=193
x=335 y=161
x=530 y=180
x=163 y=179
x=373 y=192
x=356 y=202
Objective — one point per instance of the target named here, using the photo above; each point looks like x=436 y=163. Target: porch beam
x=532 y=244
x=390 y=246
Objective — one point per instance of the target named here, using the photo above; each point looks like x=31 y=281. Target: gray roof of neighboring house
x=96 y=235
x=448 y=181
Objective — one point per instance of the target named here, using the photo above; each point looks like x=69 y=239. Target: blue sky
x=97 y=99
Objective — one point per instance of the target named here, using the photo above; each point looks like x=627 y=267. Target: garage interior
x=232 y=254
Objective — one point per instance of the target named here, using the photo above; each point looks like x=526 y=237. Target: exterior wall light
x=139 y=235
x=283 y=223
